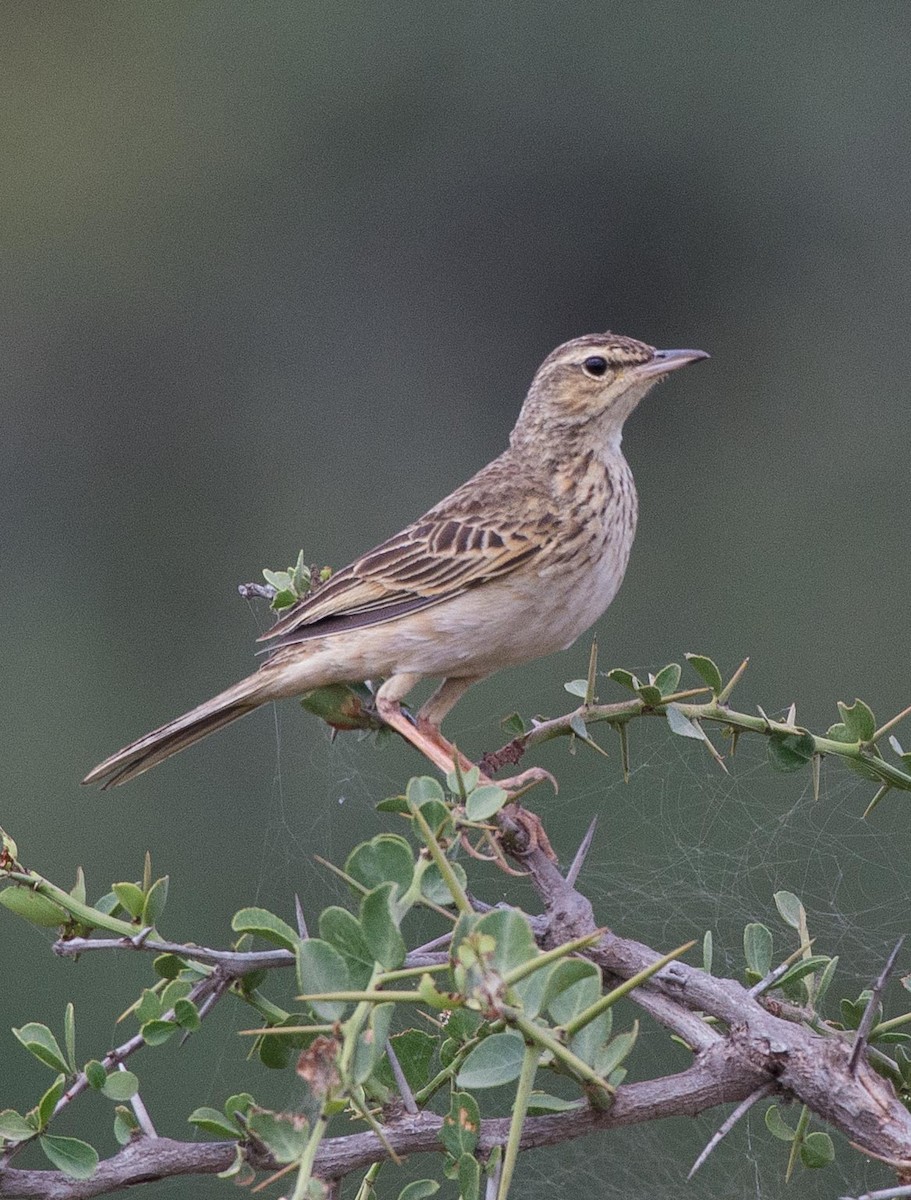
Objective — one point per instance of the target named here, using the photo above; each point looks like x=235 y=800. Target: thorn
x=791 y=718
x=592 y=674
x=725 y=692
x=623 y=730
x=300 y=918
x=876 y=799
x=582 y=853
x=866 y=1021
x=711 y=749
x=139 y=939
x=741 y=1110
x=817 y=769
x=411 y=1105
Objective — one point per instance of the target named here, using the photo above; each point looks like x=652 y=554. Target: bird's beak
x=666 y=361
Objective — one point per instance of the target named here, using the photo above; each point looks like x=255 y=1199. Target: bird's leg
x=423 y=734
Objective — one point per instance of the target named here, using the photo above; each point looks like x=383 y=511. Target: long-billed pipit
x=514 y=564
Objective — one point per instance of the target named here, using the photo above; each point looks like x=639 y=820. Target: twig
x=725 y=1128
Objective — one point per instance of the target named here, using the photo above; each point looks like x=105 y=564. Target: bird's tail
x=198 y=723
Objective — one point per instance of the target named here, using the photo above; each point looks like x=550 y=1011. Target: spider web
x=681 y=848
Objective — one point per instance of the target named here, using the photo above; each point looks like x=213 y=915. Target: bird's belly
x=505 y=622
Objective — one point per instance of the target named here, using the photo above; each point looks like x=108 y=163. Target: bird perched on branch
x=514 y=564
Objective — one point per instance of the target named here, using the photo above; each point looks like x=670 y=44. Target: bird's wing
x=454 y=547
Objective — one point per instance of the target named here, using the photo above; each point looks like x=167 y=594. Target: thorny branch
x=747 y=1049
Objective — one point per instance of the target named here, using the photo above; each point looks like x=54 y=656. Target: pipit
x=514 y=564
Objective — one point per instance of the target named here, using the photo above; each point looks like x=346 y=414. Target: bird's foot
x=518 y=785
x=532 y=836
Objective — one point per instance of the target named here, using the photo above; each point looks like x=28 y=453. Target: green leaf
x=588 y=1043
x=378 y=920
x=825 y=981
x=285 y=1135
x=156 y=899
x=625 y=678
x=26 y=903
x=266 y=925
x=435 y=888
x=371 y=1043
x=573 y=987
x=817 y=1151
x=541 y=1102
x=120 y=1086
x=805 y=967
x=343 y=930
x=757 y=950
x=186 y=1014
x=462 y=1124
x=707 y=671
x=158 y=1032
x=791 y=909
x=239 y=1103
x=469 y=1176
x=69 y=1036
x=484 y=801
x=790 y=751
x=212 y=1121
x=131 y=897
x=344 y=706
x=859 y=722
x=649 y=694
x=423 y=788
x=579 y=728
x=470 y=779
x=48 y=1102
x=512 y=726
x=777 y=1126
x=682 y=725
x=419 y=1189
x=174 y=991
x=386 y=858
x=515 y=942
x=495 y=1061
x=577 y=687
x=39 y=1040
x=320 y=968
x=14 y=1127
x=852 y=1011
x=125 y=1125
x=95 y=1074
x=616 y=1051
x=149 y=1006
x=74 y=1158
x=414 y=1050
x=668 y=679
x=168 y=966
x=392 y=804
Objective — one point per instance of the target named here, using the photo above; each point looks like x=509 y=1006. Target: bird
x=513 y=565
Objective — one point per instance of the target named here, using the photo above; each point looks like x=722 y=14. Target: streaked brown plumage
x=514 y=564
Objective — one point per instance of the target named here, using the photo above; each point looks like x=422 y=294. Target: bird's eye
x=595 y=366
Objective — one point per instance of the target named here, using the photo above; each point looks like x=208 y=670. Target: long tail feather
x=198 y=723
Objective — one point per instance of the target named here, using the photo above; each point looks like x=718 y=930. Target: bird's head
x=598 y=378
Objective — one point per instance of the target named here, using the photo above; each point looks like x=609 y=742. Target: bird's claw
x=518 y=785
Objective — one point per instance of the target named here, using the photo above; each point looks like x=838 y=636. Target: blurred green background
x=277 y=276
